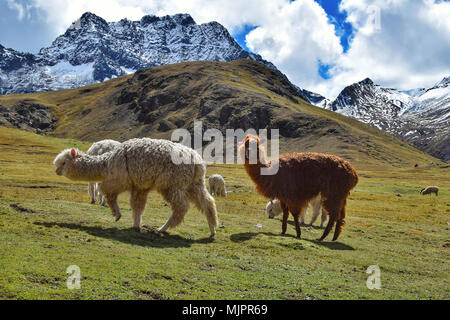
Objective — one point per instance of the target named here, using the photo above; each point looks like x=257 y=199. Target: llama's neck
x=262 y=182
x=88 y=168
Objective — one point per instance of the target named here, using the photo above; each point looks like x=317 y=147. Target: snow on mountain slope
x=93 y=50
x=316 y=99
x=420 y=116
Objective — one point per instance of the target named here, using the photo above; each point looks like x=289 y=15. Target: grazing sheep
x=141 y=165
x=300 y=178
x=273 y=209
x=217 y=185
x=430 y=190
x=97 y=148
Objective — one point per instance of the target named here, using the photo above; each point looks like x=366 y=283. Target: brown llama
x=299 y=179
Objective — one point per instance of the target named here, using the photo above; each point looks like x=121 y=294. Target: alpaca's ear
x=73 y=152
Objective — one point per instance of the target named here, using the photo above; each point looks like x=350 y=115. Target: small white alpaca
x=97 y=148
x=217 y=185
x=273 y=209
x=141 y=165
x=430 y=190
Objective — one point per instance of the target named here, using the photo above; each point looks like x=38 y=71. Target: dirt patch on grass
x=150 y=295
x=19 y=208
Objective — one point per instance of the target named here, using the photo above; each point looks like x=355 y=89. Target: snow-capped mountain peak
x=421 y=116
x=444 y=82
x=93 y=50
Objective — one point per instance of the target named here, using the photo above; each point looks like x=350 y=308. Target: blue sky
x=28 y=34
x=321 y=45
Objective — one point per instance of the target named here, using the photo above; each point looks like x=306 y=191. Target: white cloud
x=406 y=47
x=295 y=38
x=17 y=7
x=409 y=49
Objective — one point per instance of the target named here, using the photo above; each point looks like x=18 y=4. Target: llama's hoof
x=211 y=236
x=92 y=201
x=137 y=229
x=319 y=239
x=118 y=218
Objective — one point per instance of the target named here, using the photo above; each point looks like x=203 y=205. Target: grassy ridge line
x=366 y=146
x=406 y=235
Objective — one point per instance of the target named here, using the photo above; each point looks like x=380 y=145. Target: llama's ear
x=240 y=143
x=73 y=152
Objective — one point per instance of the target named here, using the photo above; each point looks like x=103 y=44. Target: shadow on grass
x=131 y=236
x=245 y=236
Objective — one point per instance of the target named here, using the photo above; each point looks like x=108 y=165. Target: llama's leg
x=199 y=195
x=302 y=221
x=334 y=208
x=329 y=225
x=285 y=217
x=340 y=222
x=111 y=199
x=316 y=210
x=138 y=199
x=102 y=200
x=100 y=195
x=91 y=191
x=323 y=218
x=296 y=214
x=180 y=206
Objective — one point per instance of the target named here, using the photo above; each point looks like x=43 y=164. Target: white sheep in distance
x=141 y=165
x=430 y=190
x=217 y=185
x=273 y=209
x=97 y=148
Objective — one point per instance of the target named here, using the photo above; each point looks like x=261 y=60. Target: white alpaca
x=273 y=209
x=217 y=185
x=97 y=148
x=141 y=165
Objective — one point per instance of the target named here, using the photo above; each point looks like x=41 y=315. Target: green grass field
x=47 y=224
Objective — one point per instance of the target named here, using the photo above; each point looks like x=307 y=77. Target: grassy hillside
x=46 y=224
x=238 y=94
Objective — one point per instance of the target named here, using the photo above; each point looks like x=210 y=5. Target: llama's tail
x=198 y=194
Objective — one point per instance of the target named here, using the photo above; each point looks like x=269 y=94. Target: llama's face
x=249 y=149
x=63 y=159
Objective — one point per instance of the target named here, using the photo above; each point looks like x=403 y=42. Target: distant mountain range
x=93 y=50
x=419 y=116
